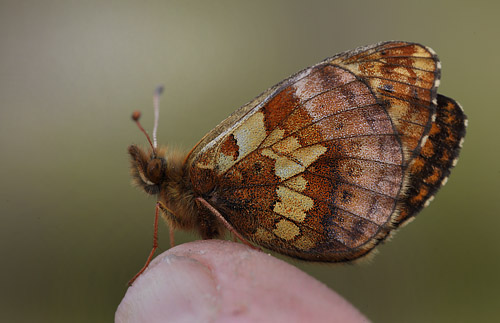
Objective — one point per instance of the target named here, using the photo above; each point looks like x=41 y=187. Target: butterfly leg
x=226 y=224
x=155 y=246
x=171 y=216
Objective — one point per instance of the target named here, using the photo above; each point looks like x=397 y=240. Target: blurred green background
x=73 y=230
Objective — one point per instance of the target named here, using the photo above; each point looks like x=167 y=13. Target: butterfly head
x=148 y=169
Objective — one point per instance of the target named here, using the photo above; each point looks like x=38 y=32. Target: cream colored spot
x=287 y=145
x=429 y=200
x=308 y=155
x=304 y=243
x=284 y=167
x=405 y=222
x=287 y=167
x=402 y=71
x=204 y=166
x=292 y=205
x=268 y=152
x=286 y=230
x=297 y=183
x=424 y=140
x=354 y=68
x=424 y=51
x=424 y=64
x=249 y=135
x=263 y=235
x=273 y=137
x=289 y=211
x=224 y=162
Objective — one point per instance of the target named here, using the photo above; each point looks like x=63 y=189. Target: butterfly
x=324 y=165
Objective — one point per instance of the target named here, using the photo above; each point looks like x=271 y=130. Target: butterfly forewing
x=404 y=76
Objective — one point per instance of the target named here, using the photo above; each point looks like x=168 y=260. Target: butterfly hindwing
x=431 y=168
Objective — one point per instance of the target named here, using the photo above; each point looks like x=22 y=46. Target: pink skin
x=223 y=281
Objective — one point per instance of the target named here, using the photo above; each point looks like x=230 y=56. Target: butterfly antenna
x=136 y=115
x=156 y=104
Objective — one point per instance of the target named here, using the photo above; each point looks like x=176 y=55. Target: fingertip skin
x=222 y=281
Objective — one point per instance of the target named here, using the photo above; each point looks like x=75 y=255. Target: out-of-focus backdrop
x=73 y=230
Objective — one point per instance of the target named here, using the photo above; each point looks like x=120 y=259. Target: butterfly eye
x=155 y=170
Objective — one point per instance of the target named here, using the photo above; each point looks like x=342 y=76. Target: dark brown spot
x=257 y=167
x=339 y=126
x=346 y=197
x=388 y=88
x=230 y=147
x=415 y=94
x=354 y=170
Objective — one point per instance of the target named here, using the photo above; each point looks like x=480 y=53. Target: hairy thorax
x=164 y=173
